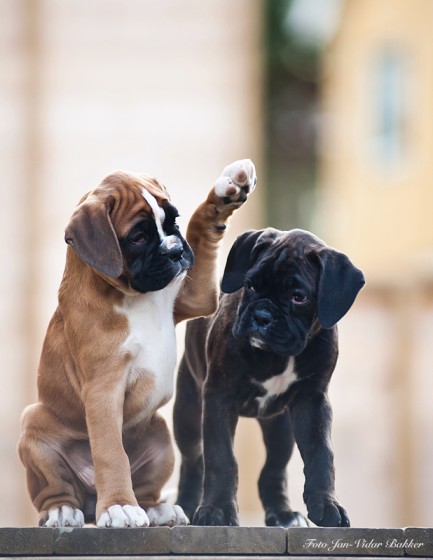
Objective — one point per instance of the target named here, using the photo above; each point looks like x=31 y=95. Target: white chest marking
x=278 y=384
x=152 y=342
x=158 y=212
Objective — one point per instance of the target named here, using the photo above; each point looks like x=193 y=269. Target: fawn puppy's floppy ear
x=242 y=256
x=91 y=234
x=339 y=284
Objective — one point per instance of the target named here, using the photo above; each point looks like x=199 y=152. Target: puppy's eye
x=298 y=298
x=137 y=239
x=249 y=286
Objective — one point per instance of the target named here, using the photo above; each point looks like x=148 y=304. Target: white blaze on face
x=158 y=212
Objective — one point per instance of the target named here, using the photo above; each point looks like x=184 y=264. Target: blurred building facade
x=176 y=90
x=373 y=200
x=376 y=201
x=168 y=88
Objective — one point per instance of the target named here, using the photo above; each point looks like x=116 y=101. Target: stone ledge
x=228 y=540
x=26 y=541
x=204 y=542
x=197 y=557
x=414 y=537
x=113 y=542
x=346 y=542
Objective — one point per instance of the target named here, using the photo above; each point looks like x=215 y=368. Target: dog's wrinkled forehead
x=290 y=249
x=132 y=198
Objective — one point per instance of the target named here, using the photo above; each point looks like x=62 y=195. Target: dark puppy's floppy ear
x=339 y=284
x=91 y=234
x=242 y=256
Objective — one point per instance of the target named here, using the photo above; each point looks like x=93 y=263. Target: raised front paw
x=236 y=182
x=123 y=516
x=327 y=512
x=216 y=515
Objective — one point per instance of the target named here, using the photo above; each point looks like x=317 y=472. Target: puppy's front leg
x=312 y=416
x=199 y=293
x=116 y=502
x=218 y=504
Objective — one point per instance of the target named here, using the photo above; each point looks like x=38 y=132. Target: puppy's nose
x=172 y=247
x=175 y=253
x=262 y=317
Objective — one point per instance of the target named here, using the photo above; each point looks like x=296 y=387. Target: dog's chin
x=260 y=344
x=280 y=349
x=154 y=283
x=257 y=341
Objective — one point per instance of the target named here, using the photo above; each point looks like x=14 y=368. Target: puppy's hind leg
x=279 y=442
x=55 y=491
x=188 y=434
x=151 y=456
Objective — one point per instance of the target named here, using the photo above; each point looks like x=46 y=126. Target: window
x=389 y=109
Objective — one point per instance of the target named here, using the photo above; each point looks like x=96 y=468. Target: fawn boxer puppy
x=94 y=446
x=268 y=353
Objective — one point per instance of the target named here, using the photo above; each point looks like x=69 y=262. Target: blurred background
x=332 y=99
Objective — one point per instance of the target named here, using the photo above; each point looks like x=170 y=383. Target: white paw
x=65 y=516
x=123 y=516
x=166 y=514
x=240 y=174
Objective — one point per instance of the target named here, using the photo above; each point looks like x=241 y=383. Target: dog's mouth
x=259 y=338
x=267 y=330
x=283 y=345
x=156 y=282
x=161 y=270
x=258 y=343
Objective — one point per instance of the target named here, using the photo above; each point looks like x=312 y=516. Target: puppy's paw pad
x=123 y=516
x=242 y=172
x=224 y=186
x=167 y=515
x=64 y=516
x=238 y=177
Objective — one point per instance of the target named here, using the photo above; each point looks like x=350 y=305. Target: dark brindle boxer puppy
x=94 y=445
x=268 y=352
